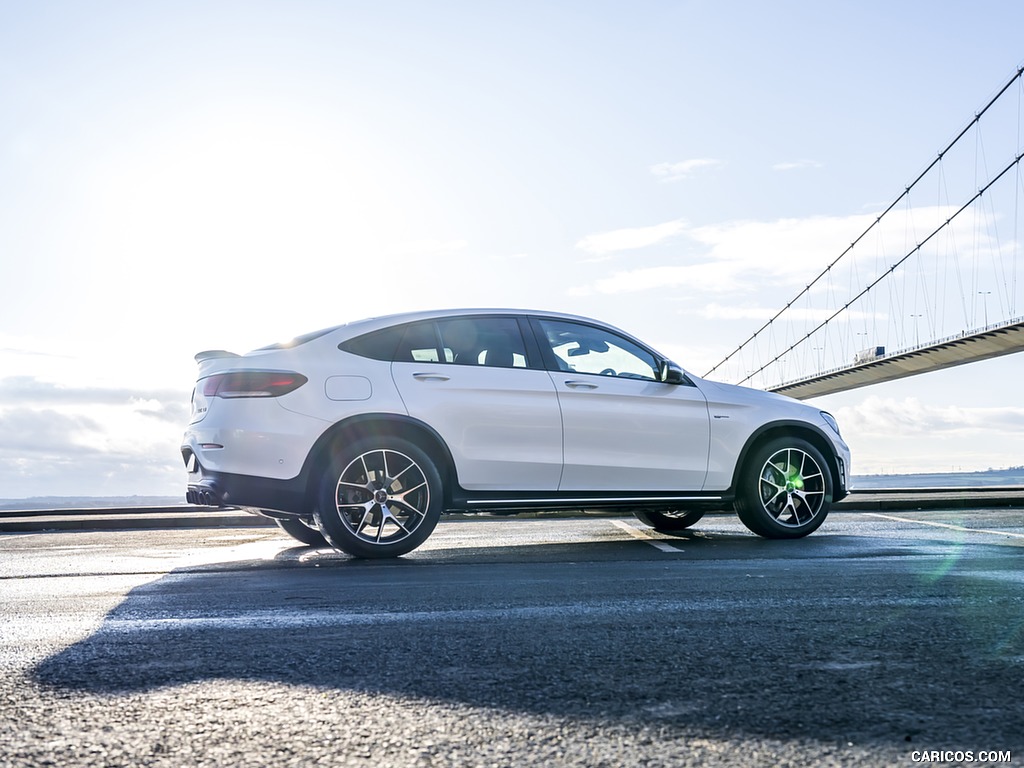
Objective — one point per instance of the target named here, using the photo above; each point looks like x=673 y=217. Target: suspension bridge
x=930 y=282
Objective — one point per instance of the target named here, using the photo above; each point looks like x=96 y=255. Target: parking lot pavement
x=518 y=642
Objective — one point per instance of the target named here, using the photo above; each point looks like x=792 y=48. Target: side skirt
x=521 y=502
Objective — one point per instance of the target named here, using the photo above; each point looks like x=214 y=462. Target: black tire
x=302 y=532
x=784 y=489
x=668 y=520
x=379 y=497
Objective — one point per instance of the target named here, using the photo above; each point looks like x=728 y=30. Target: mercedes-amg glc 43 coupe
x=361 y=436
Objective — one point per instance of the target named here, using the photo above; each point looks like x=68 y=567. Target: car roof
x=367 y=325
x=386 y=321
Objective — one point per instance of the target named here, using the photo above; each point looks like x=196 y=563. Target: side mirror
x=672 y=373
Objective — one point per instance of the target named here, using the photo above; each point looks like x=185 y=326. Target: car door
x=623 y=429
x=471 y=380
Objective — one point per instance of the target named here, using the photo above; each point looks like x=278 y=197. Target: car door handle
x=580 y=384
x=430 y=377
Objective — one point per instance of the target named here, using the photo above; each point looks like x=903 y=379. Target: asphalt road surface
x=883 y=639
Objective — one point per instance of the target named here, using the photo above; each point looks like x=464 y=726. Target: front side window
x=586 y=349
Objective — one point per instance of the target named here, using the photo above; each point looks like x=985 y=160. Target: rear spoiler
x=214 y=354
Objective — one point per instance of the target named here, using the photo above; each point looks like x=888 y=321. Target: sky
x=199 y=175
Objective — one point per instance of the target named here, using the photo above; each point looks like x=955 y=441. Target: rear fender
x=376 y=425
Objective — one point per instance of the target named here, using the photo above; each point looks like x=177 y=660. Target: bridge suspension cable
x=904 y=195
x=893 y=268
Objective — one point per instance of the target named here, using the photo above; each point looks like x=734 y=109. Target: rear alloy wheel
x=669 y=521
x=785 y=489
x=300 y=531
x=380 y=497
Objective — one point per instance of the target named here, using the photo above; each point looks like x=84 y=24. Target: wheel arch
x=380 y=425
x=800 y=429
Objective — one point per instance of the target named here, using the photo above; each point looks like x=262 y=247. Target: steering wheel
x=609 y=372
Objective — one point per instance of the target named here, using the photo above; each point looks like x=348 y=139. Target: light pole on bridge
x=917 y=336
x=985 y=295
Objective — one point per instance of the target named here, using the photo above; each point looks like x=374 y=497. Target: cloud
x=888 y=434
x=175 y=412
x=30 y=353
x=715 y=311
x=682 y=170
x=796 y=165
x=30 y=390
x=52 y=454
x=630 y=239
x=889 y=417
x=25 y=431
x=89 y=440
x=427 y=247
x=710 y=277
x=777 y=255
x=734 y=256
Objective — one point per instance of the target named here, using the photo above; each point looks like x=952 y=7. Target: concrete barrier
x=191 y=516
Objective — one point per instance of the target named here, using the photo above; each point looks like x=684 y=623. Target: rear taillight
x=252 y=384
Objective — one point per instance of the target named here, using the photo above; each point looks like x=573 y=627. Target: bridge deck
x=993 y=341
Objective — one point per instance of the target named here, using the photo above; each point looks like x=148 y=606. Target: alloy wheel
x=792 y=487
x=382 y=496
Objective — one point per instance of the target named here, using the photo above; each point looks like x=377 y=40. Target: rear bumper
x=224 y=489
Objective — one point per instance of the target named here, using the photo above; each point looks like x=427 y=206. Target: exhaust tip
x=204 y=497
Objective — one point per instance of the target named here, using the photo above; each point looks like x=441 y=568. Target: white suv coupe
x=360 y=436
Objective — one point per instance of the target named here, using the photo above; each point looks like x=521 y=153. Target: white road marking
x=947 y=525
x=640 y=533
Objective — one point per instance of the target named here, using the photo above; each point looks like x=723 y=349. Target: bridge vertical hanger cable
x=976 y=244
x=1016 y=202
x=1016 y=77
x=1013 y=163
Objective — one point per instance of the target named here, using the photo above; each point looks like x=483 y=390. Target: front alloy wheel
x=380 y=498
x=785 y=490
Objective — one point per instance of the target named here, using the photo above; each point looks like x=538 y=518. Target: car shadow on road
x=820 y=649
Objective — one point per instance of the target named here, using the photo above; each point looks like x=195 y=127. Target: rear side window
x=419 y=345
x=415 y=343
x=491 y=341
x=378 y=345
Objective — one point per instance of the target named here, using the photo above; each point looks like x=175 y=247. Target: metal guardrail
x=976 y=489
x=958 y=498
x=862 y=498
x=111 y=511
